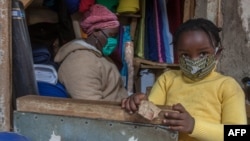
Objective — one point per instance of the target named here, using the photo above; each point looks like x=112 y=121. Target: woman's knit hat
x=98 y=17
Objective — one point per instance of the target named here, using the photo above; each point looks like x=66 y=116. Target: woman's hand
x=131 y=103
x=180 y=121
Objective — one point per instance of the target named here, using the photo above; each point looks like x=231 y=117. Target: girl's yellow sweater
x=214 y=101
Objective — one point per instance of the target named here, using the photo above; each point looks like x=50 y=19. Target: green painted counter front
x=41 y=127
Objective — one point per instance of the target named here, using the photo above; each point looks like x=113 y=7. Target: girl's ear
x=218 y=53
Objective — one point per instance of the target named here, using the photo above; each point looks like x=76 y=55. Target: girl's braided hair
x=199 y=24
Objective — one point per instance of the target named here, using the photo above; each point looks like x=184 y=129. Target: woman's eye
x=113 y=35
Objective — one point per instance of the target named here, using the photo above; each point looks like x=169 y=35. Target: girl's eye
x=184 y=55
x=203 y=54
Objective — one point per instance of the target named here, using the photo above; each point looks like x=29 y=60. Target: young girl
x=205 y=99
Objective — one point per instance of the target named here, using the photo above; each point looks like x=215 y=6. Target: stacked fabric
x=47 y=81
x=46 y=73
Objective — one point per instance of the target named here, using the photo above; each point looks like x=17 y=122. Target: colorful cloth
x=151 y=51
x=165 y=33
x=140 y=39
x=175 y=18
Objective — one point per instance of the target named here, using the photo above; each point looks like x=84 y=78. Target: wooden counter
x=84 y=108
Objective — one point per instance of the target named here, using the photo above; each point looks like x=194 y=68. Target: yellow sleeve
x=233 y=112
x=233 y=103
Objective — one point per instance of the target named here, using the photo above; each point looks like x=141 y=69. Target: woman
x=85 y=68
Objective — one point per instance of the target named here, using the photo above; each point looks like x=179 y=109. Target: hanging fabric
x=165 y=33
x=158 y=27
x=150 y=49
x=175 y=17
x=140 y=38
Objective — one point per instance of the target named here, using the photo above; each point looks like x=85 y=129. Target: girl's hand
x=131 y=104
x=180 y=121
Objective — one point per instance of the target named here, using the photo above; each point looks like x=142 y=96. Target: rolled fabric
x=128 y=6
x=23 y=76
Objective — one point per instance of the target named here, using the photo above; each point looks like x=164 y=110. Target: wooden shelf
x=172 y=66
x=129 y=15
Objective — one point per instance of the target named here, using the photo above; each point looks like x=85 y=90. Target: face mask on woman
x=110 y=46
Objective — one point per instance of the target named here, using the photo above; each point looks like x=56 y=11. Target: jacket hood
x=77 y=44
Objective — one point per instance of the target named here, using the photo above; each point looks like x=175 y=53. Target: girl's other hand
x=180 y=121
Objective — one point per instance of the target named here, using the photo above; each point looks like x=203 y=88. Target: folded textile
x=40 y=53
x=45 y=73
x=54 y=90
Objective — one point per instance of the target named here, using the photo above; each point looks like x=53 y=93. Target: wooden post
x=5 y=65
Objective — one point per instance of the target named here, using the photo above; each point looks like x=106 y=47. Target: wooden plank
x=5 y=64
x=80 y=108
x=26 y=3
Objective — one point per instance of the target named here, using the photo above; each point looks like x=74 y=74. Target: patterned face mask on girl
x=199 y=68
